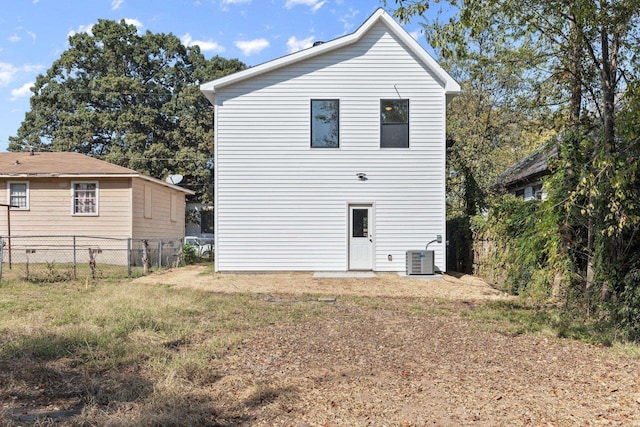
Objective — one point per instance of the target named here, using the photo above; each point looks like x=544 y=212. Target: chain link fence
x=58 y=258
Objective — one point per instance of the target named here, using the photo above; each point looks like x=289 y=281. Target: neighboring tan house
x=332 y=158
x=524 y=179
x=64 y=194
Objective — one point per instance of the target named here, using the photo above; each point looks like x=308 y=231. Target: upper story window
x=325 y=123
x=85 y=198
x=18 y=195
x=394 y=123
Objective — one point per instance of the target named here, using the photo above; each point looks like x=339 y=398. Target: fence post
x=160 y=254
x=75 y=272
x=129 y=256
x=146 y=262
x=1 y=256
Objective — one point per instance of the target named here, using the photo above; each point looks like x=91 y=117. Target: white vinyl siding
x=283 y=206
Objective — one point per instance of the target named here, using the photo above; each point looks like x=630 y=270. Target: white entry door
x=360 y=237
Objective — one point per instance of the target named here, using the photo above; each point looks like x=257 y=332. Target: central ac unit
x=420 y=262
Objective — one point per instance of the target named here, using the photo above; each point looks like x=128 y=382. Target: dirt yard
x=407 y=359
x=447 y=287
x=188 y=347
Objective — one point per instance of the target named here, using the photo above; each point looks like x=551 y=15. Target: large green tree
x=131 y=99
x=588 y=53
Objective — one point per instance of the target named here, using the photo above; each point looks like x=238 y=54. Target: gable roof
x=16 y=165
x=450 y=86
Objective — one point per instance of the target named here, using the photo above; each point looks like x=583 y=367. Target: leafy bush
x=523 y=255
x=628 y=304
x=189 y=254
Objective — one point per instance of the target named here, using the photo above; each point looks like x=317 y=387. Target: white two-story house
x=332 y=158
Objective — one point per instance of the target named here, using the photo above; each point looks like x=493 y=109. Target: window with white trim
x=85 y=198
x=18 y=195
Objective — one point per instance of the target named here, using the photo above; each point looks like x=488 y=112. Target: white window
x=18 y=195
x=84 y=198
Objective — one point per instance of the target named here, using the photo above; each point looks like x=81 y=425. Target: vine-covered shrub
x=627 y=305
x=519 y=247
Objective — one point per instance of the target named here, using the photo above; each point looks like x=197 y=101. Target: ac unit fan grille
x=420 y=262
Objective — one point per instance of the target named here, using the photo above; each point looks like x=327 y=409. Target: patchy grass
x=519 y=317
x=122 y=353
x=120 y=342
x=52 y=272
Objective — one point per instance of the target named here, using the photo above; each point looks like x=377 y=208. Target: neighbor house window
x=18 y=195
x=85 y=198
x=394 y=123
x=325 y=123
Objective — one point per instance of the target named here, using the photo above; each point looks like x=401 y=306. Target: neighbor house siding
x=50 y=209
x=281 y=205
x=152 y=216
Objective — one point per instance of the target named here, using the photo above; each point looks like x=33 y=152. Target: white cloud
x=205 y=45
x=23 y=91
x=81 y=29
x=31 y=68
x=115 y=4
x=415 y=34
x=225 y=3
x=9 y=71
x=294 y=45
x=249 y=47
x=347 y=19
x=313 y=4
x=291 y=3
x=14 y=38
x=134 y=22
x=33 y=36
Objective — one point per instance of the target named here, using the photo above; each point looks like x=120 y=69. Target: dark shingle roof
x=531 y=167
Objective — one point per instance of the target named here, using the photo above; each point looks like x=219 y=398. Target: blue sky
x=33 y=33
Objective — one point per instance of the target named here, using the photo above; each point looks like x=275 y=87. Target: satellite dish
x=174 y=179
